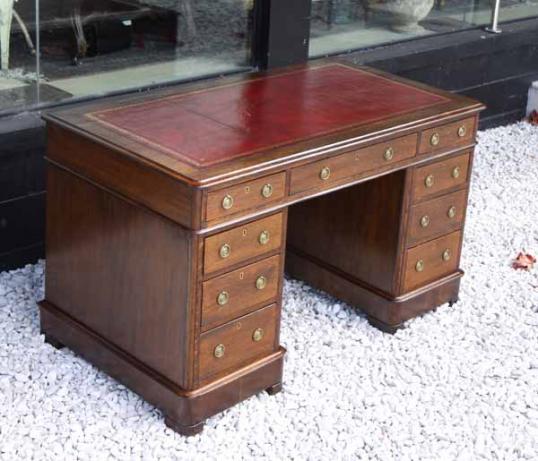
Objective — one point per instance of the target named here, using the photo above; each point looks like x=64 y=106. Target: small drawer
x=440 y=176
x=453 y=135
x=251 y=194
x=436 y=217
x=431 y=260
x=234 y=294
x=325 y=173
x=238 y=342
x=242 y=243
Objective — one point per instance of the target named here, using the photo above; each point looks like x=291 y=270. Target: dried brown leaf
x=524 y=261
x=533 y=117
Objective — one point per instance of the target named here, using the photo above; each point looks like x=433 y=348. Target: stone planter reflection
x=401 y=15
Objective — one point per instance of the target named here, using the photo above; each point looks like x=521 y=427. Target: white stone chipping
x=457 y=384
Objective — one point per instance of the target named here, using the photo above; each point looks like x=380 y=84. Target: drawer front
x=325 y=173
x=453 y=135
x=435 y=217
x=242 y=243
x=238 y=342
x=432 y=260
x=440 y=176
x=240 y=197
x=234 y=294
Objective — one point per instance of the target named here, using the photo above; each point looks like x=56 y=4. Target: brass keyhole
x=456 y=172
x=446 y=255
x=451 y=212
x=435 y=138
x=462 y=131
x=389 y=154
x=419 y=266
x=425 y=221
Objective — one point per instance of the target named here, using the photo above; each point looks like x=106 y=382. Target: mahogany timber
x=443 y=214
x=449 y=136
x=167 y=221
x=241 y=293
x=441 y=174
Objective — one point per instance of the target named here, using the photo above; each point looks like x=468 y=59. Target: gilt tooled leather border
x=178 y=155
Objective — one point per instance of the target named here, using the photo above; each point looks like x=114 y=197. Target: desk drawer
x=440 y=176
x=432 y=260
x=235 y=293
x=435 y=217
x=449 y=136
x=242 y=242
x=250 y=194
x=238 y=342
x=325 y=173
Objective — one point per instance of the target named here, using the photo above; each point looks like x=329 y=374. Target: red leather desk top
x=207 y=127
x=207 y=132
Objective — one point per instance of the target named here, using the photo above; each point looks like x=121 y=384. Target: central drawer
x=238 y=342
x=327 y=172
x=236 y=293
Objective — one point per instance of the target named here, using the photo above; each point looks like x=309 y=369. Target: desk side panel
x=124 y=174
x=122 y=271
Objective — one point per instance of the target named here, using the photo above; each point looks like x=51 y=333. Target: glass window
x=517 y=9
x=99 y=47
x=343 y=25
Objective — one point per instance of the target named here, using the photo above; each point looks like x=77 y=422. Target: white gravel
x=460 y=383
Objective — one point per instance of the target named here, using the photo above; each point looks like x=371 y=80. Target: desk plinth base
x=384 y=312
x=185 y=411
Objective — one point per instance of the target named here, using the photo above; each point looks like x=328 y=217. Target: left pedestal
x=124 y=289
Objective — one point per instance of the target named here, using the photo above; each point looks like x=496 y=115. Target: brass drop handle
x=261 y=282
x=419 y=266
x=257 y=335
x=435 y=139
x=456 y=172
x=389 y=154
x=462 y=131
x=428 y=182
x=227 y=202
x=325 y=173
x=218 y=352
x=267 y=190
x=225 y=251
x=425 y=221
x=263 y=238
x=451 y=212
x=223 y=298
x=446 y=255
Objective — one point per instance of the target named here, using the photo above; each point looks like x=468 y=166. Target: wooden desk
x=169 y=212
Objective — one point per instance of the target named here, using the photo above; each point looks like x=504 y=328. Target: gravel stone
x=460 y=383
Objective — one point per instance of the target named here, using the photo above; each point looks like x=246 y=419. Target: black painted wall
x=496 y=69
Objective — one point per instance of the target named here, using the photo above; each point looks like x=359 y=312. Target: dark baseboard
x=21 y=256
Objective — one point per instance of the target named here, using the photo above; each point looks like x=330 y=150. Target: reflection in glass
x=98 y=47
x=343 y=25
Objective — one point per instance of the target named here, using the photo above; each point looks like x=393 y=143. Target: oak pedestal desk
x=170 y=214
